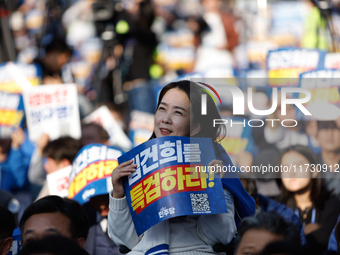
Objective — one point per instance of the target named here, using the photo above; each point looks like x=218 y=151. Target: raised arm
x=120 y=225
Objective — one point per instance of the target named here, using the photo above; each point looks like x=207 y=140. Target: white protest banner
x=103 y=117
x=52 y=109
x=57 y=181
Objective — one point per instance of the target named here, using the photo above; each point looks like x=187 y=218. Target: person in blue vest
x=178 y=113
x=306 y=194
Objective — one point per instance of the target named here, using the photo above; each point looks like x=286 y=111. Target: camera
x=103 y=10
x=104 y=14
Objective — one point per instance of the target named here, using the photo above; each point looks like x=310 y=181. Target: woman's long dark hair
x=194 y=93
x=318 y=194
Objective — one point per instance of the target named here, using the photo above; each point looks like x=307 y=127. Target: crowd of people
x=121 y=55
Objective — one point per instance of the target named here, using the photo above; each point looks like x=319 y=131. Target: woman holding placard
x=179 y=114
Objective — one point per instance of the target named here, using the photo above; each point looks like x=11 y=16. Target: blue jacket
x=244 y=203
x=284 y=211
x=332 y=243
x=13 y=172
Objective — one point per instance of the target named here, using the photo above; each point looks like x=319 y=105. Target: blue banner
x=285 y=65
x=323 y=84
x=91 y=172
x=172 y=179
x=11 y=113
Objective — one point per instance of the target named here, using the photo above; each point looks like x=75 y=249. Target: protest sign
x=11 y=113
x=57 y=182
x=176 y=50
x=287 y=21
x=172 y=179
x=91 y=172
x=91 y=49
x=285 y=65
x=81 y=70
x=332 y=61
x=15 y=77
x=254 y=53
x=323 y=85
x=52 y=109
x=103 y=117
x=34 y=20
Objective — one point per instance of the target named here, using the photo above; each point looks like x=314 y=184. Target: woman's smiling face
x=172 y=117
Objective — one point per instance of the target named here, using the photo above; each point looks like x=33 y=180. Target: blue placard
x=91 y=172
x=11 y=113
x=324 y=85
x=285 y=65
x=171 y=181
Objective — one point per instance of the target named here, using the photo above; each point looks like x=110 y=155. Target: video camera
x=104 y=12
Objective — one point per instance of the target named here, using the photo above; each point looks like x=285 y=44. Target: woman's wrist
x=117 y=195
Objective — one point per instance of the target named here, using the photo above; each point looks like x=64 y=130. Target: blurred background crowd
x=119 y=54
